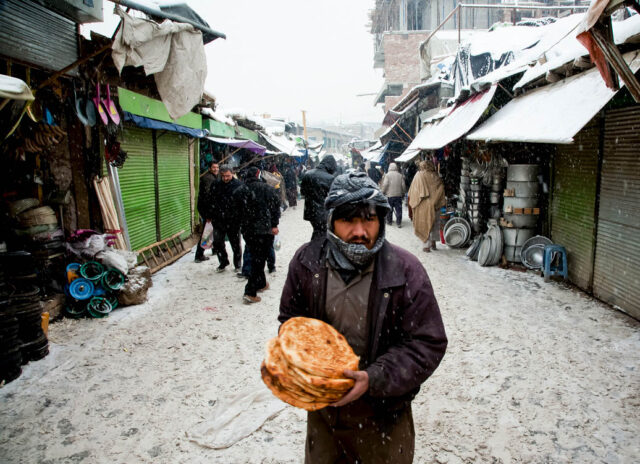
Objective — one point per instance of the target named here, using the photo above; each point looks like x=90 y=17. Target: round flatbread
x=282 y=394
x=281 y=371
x=315 y=347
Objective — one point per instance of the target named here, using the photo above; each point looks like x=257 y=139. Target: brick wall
x=402 y=56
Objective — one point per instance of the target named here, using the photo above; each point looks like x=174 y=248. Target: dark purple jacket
x=406 y=337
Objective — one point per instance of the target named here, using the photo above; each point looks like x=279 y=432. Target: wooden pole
x=304 y=126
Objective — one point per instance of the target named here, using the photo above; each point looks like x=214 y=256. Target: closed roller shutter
x=574 y=202
x=137 y=184
x=31 y=33
x=174 y=188
x=617 y=265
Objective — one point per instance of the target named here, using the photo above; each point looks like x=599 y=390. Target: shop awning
x=148 y=123
x=554 y=113
x=284 y=145
x=408 y=155
x=246 y=144
x=457 y=123
x=14 y=88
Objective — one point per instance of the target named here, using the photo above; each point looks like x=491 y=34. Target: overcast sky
x=283 y=56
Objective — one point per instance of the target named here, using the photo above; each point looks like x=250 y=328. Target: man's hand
x=274 y=230
x=360 y=388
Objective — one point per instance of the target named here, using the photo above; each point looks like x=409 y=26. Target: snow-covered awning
x=458 y=122
x=14 y=88
x=408 y=155
x=283 y=144
x=553 y=113
x=247 y=144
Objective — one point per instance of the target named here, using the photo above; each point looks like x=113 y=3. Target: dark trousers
x=219 y=233
x=259 y=246
x=292 y=196
x=396 y=205
x=199 y=249
x=246 y=260
x=352 y=434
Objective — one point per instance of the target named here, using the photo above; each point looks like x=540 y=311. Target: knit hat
x=352 y=188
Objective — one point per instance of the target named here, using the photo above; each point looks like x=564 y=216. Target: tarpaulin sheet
x=14 y=88
x=457 y=123
x=148 y=123
x=247 y=144
x=553 y=113
x=172 y=52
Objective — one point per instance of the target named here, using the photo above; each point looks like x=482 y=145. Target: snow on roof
x=568 y=49
x=217 y=116
x=553 y=113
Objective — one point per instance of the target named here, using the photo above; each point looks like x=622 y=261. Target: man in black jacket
x=204 y=204
x=224 y=218
x=379 y=297
x=259 y=205
x=314 y=187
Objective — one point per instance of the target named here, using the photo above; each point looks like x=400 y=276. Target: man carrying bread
x=379 y=297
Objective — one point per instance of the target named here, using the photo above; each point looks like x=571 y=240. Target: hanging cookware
x=79 y=105
x=102 y=113
x=111 y=108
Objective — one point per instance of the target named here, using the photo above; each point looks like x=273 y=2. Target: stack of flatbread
x=304 y=364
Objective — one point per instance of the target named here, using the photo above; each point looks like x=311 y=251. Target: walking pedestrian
x=394 y=188
x=204 y=205
x=291 y=184
x=260 y=207
x=379 y=297
x=373 y=173
x=314 y=187
x=225 y=219
x=426 y=197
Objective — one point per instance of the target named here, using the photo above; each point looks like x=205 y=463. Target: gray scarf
x=349 y=259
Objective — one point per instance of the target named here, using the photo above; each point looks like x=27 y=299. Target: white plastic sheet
x=236 y=418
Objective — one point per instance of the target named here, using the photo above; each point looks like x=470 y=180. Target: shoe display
x=248 y=299
x=266 y=287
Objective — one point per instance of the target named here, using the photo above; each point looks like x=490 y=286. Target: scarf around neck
x=349 y=259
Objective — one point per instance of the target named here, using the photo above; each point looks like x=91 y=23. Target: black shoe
x=399 y=226
x=201 y=258
x=240 y=275
x=271 y=271
x=221 y=268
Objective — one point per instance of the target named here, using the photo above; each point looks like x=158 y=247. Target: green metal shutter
x=137 y=184
x=616 y=277
x=574 y=202
x=174 y=191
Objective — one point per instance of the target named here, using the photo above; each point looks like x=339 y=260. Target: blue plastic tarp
x=148 y=123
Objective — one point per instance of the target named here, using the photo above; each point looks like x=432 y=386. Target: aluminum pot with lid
x=494 y=198
x=522 y=172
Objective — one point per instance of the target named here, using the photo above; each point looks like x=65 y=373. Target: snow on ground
x=534 y=372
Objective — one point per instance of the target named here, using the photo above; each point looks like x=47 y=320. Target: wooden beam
x=616 y=60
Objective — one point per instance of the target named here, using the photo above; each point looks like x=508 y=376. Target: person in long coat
x=426 y=197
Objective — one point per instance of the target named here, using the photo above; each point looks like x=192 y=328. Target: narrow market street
x=534 y=372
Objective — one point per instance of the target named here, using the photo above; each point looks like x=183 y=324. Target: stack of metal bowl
x=475 y=204
x=495 y=195
x=521 y=197
x=457 y=232
x=464 y=187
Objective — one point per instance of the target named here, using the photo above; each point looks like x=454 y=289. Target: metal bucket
x=524 y=189
x=516 y=237
x=522 y=172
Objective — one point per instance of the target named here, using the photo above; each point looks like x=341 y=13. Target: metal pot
x=520 y=202
x=512 y=253
x=474 y=195
x=522 y=220
x=495 y=212
x=474 y=207
x=496 y=187
x=474 y=215
x=464 y=180
x=524 y=189
x=516 y=237
x=522 y=172
x=476 y=187
x=494 y=198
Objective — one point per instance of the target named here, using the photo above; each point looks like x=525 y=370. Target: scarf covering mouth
x=349 y=259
